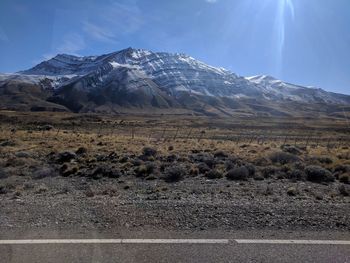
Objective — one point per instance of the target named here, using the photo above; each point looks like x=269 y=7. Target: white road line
x=296 y=241
x=172 y=241
x=176 y=241
x=113 y=241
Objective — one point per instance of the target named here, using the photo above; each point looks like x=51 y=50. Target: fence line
x=190 y=133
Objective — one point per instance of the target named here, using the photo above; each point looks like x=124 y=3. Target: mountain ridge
x=138 y=78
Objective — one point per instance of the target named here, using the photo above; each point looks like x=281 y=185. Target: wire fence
x=302 y=139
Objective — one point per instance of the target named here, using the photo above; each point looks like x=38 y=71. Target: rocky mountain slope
x=139 y=80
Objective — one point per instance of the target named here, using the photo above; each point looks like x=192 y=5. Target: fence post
x=201 y=135
x=328 y=143
x=307 y=141
x=188 y=135
x=163 y=134
x=177 y=130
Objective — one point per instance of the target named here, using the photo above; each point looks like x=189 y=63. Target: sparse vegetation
x=344 y=178
x=283 y=158
x=221 y=166
x=239 y=173
x=149 y=151
x=318 y=174
x=344 y=190
x=213 y=174
x=174 y=173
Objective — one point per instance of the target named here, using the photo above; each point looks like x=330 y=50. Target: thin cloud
x=99 y=33
x=72 y=44
x=3 y=36
x=211 y=1
x=108 y=22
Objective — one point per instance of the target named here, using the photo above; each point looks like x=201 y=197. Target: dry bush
x=149 y=151
x=344 y=178
x=239 y=173
x=291 y=149
x=174 y=173
x=318 y=174
x=344 y=190
x=213 y=174
x=283 y=158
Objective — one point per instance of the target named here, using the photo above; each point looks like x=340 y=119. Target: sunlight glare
x=284 y=7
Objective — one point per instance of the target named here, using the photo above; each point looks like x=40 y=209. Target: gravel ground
x=191 y=204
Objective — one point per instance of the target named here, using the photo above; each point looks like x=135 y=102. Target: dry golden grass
x=249 y=139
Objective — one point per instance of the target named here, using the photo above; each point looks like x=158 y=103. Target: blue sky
x=301 y=41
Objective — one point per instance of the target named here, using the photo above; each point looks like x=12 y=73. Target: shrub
x=213 y=174
x=269 y=171
x=220 y=154
x=105 y=171
x=64 y=157
x=316 y=173
x=291 y=149
x=174 y=173
x=342 y=168
x=3 y=190
x=251 y=169
x=124 y=159
x=324 y=160
x=210 y=161
x=141 y=171
x=43 y=172
x=22 y=155
x=229 y=165
x=261 y=161
x=136 y=162
x=239 y=173
x=148 y=151
x=344 y=178
x=194 y=171
x=81 y=150
x=343 y=190
x=296 y=174
x=283 y=158
x=171 y=158
x=7 y=143
x=203 y=168
x=69 y=171
x=3 y=173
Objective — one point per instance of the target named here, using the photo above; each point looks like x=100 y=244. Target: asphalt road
x=137 y=246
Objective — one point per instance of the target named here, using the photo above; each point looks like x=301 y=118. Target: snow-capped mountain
x=288 y=91
x=136 y=78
